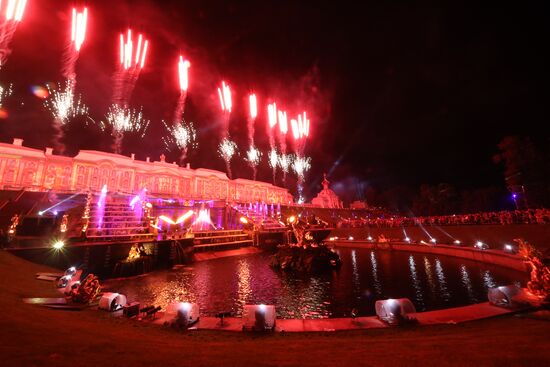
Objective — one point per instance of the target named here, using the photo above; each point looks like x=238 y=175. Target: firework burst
x=284 y=161
x=300 y=166
x=227 y=149
x=5 y=92
x=63 y=104
x=183 y=136
x=125 y=120
x=253 y=157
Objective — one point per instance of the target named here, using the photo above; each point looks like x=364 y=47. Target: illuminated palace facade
x=36 y=170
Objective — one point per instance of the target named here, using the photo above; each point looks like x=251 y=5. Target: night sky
x=398 y=95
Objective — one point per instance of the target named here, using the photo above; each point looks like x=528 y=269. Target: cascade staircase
x=118 y=223
x=261 y=219
x=220 y=240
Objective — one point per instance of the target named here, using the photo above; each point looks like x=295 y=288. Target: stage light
x=407 y=239
x=291 y=219
x=369 y=238
x=433 y=240
x=58 y=245
x=243 y=220
x=350 y=238
x=510 y=248
x=457 y=242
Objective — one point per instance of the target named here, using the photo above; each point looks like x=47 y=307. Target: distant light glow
x=58 y=245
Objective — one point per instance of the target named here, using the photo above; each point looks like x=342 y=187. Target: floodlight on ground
x=58 y=245
x=350 y=238
x=395 y=311
x=259 y=317
x=508 y=296
x=407 y=239
x=511 y=249
x=369 y=238
x=111 y=301
x=457 y=242
x=433 y=240
x=182 y=314
x=64 y=281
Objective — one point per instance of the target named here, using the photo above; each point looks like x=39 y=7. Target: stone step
x=219 y=239
x=222 y=245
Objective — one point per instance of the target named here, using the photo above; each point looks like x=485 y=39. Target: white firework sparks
x=273 y=159
x=127 y=120
x=301 y=165
x=64 y=105
x=227 y=149
x=4 y=93
x=182 y=135
x=284 y=161
x=253 y=156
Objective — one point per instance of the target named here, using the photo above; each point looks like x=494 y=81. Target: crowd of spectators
x=530 y=216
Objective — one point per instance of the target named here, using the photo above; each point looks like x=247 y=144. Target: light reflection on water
x=227 y=284
x=416 y=283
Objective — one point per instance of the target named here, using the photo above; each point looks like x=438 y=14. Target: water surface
x=430 y=281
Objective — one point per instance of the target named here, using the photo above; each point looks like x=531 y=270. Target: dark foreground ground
x=35 y=336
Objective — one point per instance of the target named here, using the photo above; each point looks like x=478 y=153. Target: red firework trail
x=300 y=132
x=183 y=78
x=131 y=62
x=224 y=93
x=283 y=129
x=72 y=51
x=12 y=12
x=272 y=122
x=252 y=117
